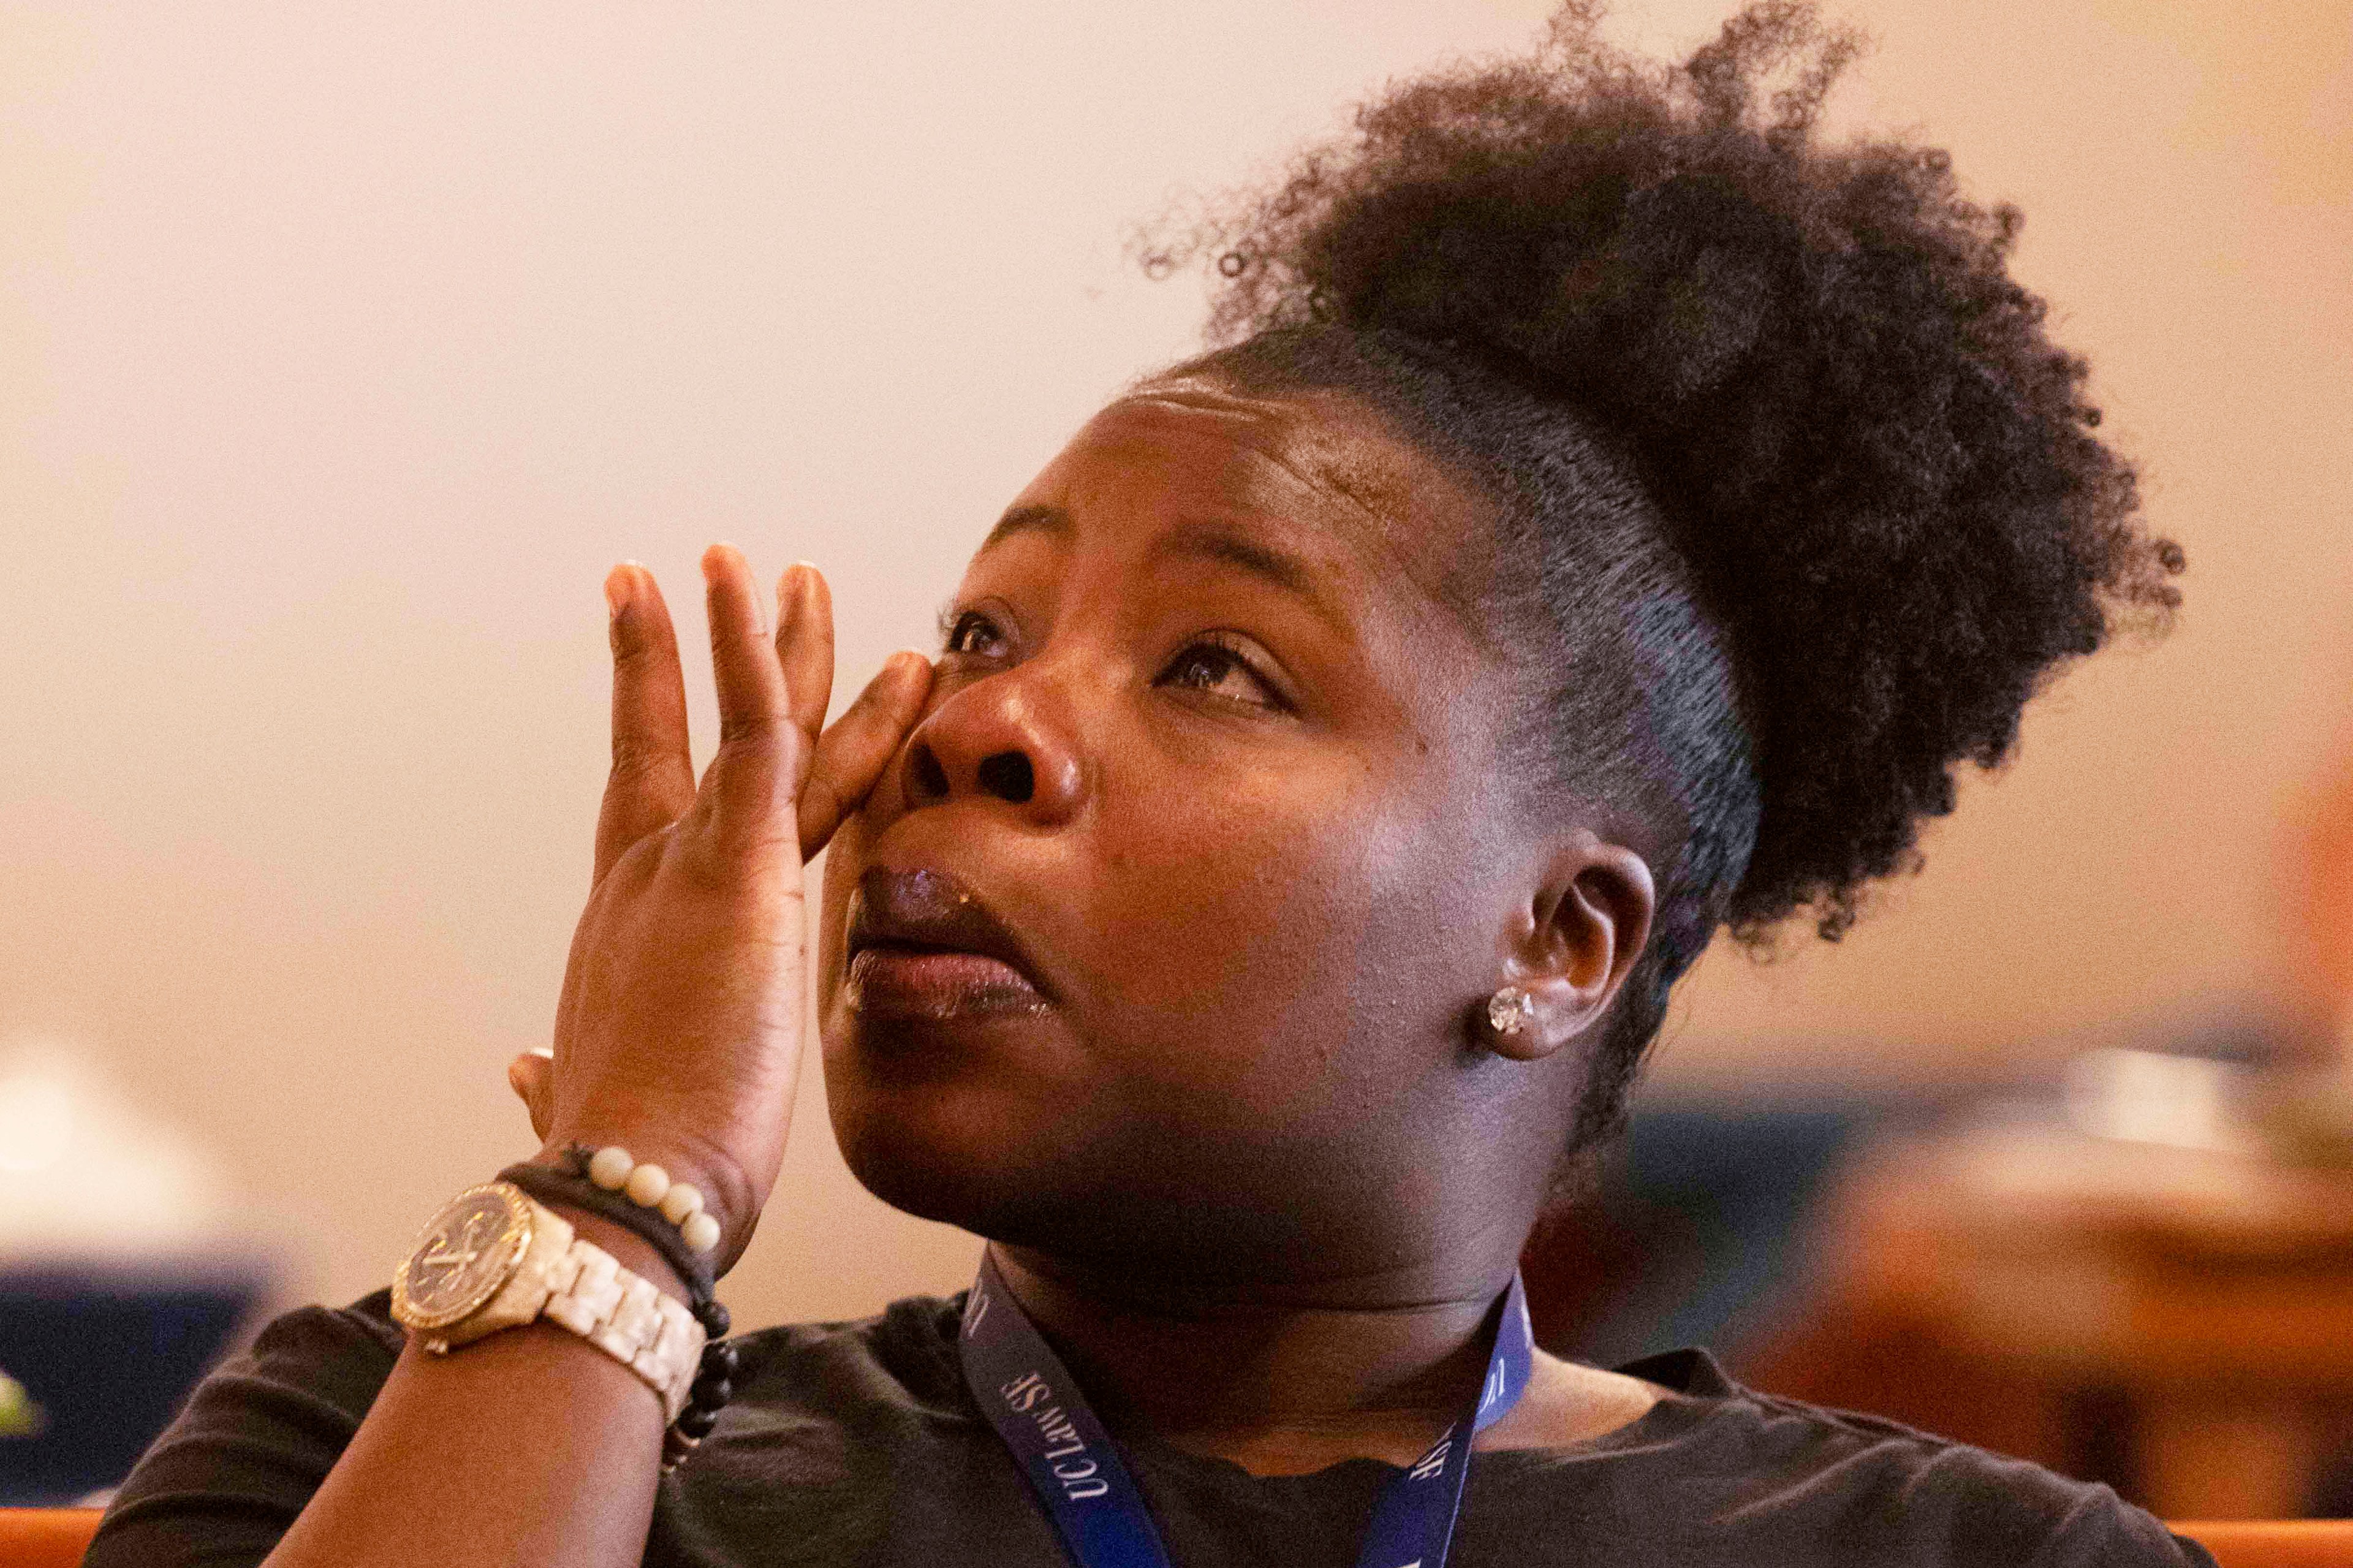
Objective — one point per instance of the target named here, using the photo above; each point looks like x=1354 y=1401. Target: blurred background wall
x=343 y=347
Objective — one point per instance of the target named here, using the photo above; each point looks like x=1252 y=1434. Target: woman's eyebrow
x=1206 y=542
x=1189 y=542
x=1047 y=520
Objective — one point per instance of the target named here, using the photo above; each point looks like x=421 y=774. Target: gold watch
x=495 y=1258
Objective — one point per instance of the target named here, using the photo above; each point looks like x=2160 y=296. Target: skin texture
x=1242 y=1155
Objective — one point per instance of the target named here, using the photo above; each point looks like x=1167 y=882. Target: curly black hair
x=1805 y=503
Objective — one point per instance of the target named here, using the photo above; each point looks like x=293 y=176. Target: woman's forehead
x=1319 y=462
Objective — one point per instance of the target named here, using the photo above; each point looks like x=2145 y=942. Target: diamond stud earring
x=1510 y=1011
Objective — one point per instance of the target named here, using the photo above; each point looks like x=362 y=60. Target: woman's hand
x=678 y=1033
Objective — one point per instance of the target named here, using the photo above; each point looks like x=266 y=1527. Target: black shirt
x=857 y=1443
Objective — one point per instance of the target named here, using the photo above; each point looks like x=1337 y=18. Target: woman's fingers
x=771 y=703
x=805 y=647
x=748 y=790
x=652 y=780
x=851 y=754
x=532 y=1078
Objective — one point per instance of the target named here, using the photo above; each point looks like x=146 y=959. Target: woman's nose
x=1001 y=739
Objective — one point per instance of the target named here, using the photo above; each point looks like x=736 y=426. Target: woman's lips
x=923 y=945
x=891 y=982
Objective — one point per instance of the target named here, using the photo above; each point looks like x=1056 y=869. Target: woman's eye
x=1221 y=672
x=972 y=632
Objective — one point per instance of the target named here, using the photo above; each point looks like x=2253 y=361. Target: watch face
x=465 y=1255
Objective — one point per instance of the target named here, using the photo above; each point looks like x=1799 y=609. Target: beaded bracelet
x=575 y=1182
x=556 y=1185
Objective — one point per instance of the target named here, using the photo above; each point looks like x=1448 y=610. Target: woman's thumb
x=532 y=1078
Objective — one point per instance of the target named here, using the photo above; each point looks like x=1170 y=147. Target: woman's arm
x=527 y=1446
x=678 y=1037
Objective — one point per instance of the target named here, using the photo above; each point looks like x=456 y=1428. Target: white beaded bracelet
x=650 y=1187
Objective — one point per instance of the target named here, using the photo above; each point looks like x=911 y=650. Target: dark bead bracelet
x=712 y=1387
x=568 y=1184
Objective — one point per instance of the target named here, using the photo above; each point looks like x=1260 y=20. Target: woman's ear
x=1583 y=929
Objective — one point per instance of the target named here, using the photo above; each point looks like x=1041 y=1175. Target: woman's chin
x=1056 y=1183
x=949 y=1180
x=926 y=1126
x=1032 y=1175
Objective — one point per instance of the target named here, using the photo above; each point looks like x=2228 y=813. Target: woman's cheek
x=1238 y=936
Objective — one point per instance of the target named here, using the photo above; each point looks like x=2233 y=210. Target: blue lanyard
x=1036 y=1408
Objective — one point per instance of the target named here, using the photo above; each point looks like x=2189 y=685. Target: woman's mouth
x=922 y=945
x=889 y=982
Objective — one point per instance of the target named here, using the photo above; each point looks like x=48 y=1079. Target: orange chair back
x=2273 y=1543
x=56 y=1537
x=45 y=1537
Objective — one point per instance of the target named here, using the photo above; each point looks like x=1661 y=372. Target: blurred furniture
x=1697 y=1228
x=2177 y=1321
x=2274 y=1543
x=45 y=1537
x=108 y=1351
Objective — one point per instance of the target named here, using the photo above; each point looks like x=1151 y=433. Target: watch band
x=628 y=1318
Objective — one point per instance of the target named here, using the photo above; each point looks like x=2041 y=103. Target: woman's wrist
x=720 y=1191
x=611 y=1191
x=630 y=1250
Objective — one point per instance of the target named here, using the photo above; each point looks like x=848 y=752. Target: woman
x=1612 y=517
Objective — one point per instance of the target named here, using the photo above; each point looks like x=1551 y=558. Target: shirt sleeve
x=228 y=1475
x=2105 y=1530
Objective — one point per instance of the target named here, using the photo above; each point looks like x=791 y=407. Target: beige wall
x=342 y=348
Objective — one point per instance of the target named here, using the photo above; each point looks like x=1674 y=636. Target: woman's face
x=1157 y=940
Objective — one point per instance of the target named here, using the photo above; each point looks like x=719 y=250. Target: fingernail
x=620 y=583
